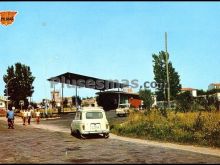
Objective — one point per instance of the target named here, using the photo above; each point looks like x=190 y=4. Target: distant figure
x=24 y=116
x=37 y=116
x=29 y=115
x=10 y=117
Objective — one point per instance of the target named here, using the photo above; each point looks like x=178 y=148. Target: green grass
x=199 y=128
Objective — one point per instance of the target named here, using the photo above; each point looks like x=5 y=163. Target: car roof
x=86 y=109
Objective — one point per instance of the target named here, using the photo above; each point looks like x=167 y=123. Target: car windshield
x=123 y=106
x=94 y=115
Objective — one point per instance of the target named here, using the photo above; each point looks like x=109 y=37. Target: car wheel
x=106 y=135
x=81 y=136
x=72 y=133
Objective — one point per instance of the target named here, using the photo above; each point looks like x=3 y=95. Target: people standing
x=24 y=116
x=37 y=116
x=10 y=117
x=29 y=115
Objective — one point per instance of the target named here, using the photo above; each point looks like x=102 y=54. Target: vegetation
x=184 y=102
x=19 y=83
x=108 y=102
x=159 y=66
x=146 y=96
x=79 y=100
x=199 y=128
x=65 y=103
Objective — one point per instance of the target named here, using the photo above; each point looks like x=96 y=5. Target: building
x=216 y=93
x=55 y=96
x=213 y=86
x=90 y=102
x=69 y=101
x=3 y=102
x=191 y=90
x=111 y=99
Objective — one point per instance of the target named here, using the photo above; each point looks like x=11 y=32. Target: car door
x=77 y=121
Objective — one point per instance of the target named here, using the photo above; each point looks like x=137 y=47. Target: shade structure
x=86 y=81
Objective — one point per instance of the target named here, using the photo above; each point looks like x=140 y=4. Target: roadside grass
x=197 y=128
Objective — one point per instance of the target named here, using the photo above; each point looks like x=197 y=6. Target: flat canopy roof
x=86 y=81
x=135 y=95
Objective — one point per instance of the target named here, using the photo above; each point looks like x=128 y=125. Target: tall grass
x=200 y=128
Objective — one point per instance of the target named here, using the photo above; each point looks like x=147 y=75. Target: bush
x=193 y=127
x=184 y=102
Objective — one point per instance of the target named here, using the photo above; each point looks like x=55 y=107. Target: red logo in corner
x=7 y=17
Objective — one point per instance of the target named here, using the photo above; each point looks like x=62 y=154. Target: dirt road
x=51 y=142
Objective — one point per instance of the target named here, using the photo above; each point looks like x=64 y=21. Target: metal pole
x=119 y=99
x=76 y=102
x=7 y=99
x=53 y=105
x=168 y=80
x=62 y=98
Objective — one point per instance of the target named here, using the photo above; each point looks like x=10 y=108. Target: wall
x=2 y=104
x=135 y=102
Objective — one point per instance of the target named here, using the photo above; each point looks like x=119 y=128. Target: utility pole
x=53 y=104
x=168 y=80
x=62 y=98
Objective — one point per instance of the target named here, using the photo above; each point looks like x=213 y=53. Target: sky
x=111 y=40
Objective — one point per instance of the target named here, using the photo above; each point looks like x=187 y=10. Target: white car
x=90 y=121
x=122 y=110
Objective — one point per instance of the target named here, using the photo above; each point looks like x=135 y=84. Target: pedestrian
x=10 y=117
x=29 y=115
x=24 y=116
x=37 y=116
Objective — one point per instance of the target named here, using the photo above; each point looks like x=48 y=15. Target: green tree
x=213 y=91
x=19 y=83
x=146 y=96
x=33 y=104
x=79 y=100
x=184 y=102
x=65 y=103
x=108 y=102
x=159 y=68
x=201 y=92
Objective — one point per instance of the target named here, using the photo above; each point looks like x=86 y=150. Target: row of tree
x=73 y=99
x=184 y=101
x=19 y=86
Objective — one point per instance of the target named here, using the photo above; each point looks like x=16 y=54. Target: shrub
x=192 y=127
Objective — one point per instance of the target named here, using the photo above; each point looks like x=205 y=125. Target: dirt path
x=65 y=129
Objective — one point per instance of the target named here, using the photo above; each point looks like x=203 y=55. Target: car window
x=123 y=106
x=94 y=115
x=78 y=116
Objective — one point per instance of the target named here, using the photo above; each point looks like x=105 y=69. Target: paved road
x=53 y=144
